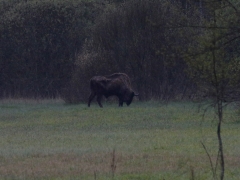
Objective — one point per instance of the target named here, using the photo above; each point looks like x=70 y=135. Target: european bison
x=117 y=84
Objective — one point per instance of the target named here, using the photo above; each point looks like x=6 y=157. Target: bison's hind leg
x=99 y=97
x=92 y=95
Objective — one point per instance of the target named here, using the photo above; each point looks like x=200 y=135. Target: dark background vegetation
x=51 y=48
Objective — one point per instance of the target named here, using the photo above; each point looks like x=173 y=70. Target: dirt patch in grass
x=72 y=165
x=64 y=165
x=59 y=165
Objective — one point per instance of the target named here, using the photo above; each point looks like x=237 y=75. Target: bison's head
x=130 y=98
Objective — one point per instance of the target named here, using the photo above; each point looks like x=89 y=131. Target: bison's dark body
x=117 y=84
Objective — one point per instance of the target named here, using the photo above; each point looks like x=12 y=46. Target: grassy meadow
x=48 y=139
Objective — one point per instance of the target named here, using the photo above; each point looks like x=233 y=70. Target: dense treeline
x=39 y=41
x=53 y=47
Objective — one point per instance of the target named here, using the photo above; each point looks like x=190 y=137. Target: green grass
x=51 y=140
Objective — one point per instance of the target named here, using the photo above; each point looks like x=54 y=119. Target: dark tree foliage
x=53 y=46
x=38 y=43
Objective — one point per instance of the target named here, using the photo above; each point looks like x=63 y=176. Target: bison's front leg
x=92 y=95
x=99 y=97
